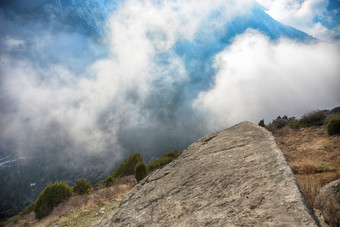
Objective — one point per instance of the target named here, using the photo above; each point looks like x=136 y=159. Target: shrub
x=165 y=159
x=316 y=118
x=98 y=184
x=82 y=186
x=296 y=125
x=128 y=166
x=333 y=126
x=279 y=123
x=172 y=154
x=140 y=171
x=261 y=123
x=158 y=162
x=109 y=181
x=51 y=196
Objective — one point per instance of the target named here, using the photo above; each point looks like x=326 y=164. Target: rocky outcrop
x=235 y=177
x=328 y=202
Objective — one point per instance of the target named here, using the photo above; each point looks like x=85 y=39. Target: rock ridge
x=235 y=177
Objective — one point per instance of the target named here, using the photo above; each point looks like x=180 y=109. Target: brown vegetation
x=313 y=155
x=81 y=210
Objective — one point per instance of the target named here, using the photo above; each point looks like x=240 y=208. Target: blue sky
x=146 y=76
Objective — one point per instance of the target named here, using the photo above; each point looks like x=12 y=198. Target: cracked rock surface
x=235 y=177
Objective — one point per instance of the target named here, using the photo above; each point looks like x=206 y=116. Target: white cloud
x=301 y=14
x=258 y=79
x=13 y=43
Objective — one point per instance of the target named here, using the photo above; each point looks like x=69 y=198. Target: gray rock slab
x=328 y=202
x=235 y=177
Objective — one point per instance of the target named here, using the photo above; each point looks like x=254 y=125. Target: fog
x=259 y=79
x=156 y=77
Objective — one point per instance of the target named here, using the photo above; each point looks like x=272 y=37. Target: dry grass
x=81 y=210
x=314 y=157
x=311 y=184
x=332 y=213
x=310 y=150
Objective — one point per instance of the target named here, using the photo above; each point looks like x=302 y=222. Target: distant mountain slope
x=258 y=19
x=199 y=53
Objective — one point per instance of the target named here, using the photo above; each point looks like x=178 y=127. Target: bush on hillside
x=333 y=126
x=159 y=162
x=314 y=118
x=109 y=181
x=140 y=171
x=128 y=166
x=279 y=123
x=172 y=154
x=51 y=196
x=296 y=125
x=165 y=159
x=82 y=186
x=98 y=184
x=261 y=123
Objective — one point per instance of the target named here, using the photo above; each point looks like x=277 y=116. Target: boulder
x=235 y=177
x=328 y=202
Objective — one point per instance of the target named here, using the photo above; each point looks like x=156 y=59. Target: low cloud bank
x=133 y=92
x=258 y=79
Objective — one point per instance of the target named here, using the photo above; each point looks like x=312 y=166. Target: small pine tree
x=82 y=186
x=128 y=166
x=172 y=154
x=109 y=181
x=51 y=196
x=333 y=126
x=261 y=123
x=140 y=171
